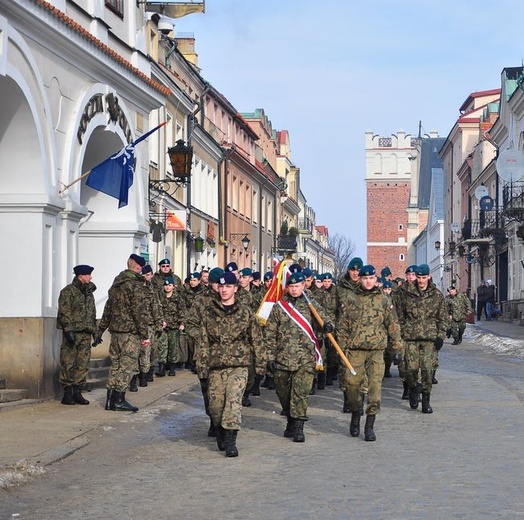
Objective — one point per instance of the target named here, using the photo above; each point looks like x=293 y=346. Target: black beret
x=82 y=269
x=147 y=269
x=140 y=260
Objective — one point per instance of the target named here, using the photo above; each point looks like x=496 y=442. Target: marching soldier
x=231 y=343
x=366 y=323
x=292 y=344
x=458 y=306
x=424 y=320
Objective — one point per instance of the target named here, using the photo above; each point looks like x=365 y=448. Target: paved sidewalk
x=37 y=434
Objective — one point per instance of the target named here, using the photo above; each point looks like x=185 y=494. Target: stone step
x=12 y=394
x=98 y=373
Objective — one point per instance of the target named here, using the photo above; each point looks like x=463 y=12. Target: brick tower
x=391 y=179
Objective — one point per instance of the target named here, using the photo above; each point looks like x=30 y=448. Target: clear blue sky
x=329 y=71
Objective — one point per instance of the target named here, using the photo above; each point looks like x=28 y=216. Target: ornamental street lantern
x=199 y=244
x=437 y=244
x=245 y=242
x=181 y=159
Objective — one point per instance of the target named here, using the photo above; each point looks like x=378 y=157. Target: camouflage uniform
x=294 y=355
x=159 y=278
x=169 y=344
x=191 y=295
x=329 y=300
x=458 y=306
x=231 y=340
x=366 y=323
x=193 y=328
x=127 y=317
x=423 y=320
x=155 y=319
x=76 y=313
x=346 y=289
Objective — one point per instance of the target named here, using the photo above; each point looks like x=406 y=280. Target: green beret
x=422 y=270
x=215 y=274
x=385 y=272
x=356 y=263
x=296 y=278
x=366 y=270
x=327 y=276
x=165 y=261
x=246 y=272
x=411 y=269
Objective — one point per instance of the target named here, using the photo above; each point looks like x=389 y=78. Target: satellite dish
x=510 y=165
x=455 y=227
x=481 y=191
x=486 y=203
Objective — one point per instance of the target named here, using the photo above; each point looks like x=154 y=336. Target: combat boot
x=369 y=434
x=150 y=374
x=426 y=408
x=312 y=390
x=354 y=425
x=133 y=386
x=212 y=432
x=161 y=372
x=142 y=379
x=298 y=434
x=329 y=376
x=221 y=438
x=345 y=407
x=414 y=393
x=246 y=402
x=270 y=382
x=231 y=443
x=321 y=380
x=171 y=368
x=119 y=403
x=290 y=428
x=77 y=395
x=68 y=395
x=387 y=370
x=255 y=390
x=405 y=394
x=109 y=398
x=433 y=379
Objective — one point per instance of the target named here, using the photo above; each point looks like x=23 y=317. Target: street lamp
x=245 y=242
x=181 y=160
x=437 y=244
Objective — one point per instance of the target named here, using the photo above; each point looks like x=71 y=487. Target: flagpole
x=329 y=335
x=74 y=182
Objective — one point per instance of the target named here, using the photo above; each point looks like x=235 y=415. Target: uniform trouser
x=369 y=366
x=189 y=347
x=204 y=386
x=457 y=329
x=74 y=360
x=168 y=346
x=225 y=391
x=123 y=352
x=421 y=356
x=182 y=348
x=144 y=354
x=293 y=388
x=331 y=356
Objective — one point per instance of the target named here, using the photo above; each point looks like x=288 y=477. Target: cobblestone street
x=463 y=461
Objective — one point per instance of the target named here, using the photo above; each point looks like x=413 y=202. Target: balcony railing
x=305 y=225
x=489 y=227
x=513 y=200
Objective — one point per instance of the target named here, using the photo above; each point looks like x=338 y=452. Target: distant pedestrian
x=490 y=299
x=482 y=298
x=77 y=320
